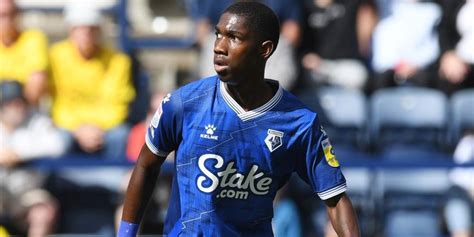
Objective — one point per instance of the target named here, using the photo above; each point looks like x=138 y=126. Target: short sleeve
x=164 y=132
x=319 y=166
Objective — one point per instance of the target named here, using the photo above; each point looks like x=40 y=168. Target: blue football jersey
x=230 y=162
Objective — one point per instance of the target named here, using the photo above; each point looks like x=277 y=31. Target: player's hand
x=89 y=137
x=311 y=61
x=8 y=158
x=452 y=68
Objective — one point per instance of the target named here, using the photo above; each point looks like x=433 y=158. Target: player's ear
x=267 y=49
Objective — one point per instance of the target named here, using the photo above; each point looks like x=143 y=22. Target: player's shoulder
x=198 y=87
x=296 y=113
x=296 y=108
x=190 y=92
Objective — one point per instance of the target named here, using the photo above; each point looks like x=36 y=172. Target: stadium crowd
x=348 y=59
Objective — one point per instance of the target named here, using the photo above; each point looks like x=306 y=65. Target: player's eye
x=234 y=37
x=218 y=35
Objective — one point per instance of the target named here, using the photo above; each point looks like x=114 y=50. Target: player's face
x=235 y=49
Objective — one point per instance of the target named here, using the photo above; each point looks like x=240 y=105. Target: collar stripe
x=230 y=101
x=247 y=115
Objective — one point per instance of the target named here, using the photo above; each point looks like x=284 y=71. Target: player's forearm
x=343 y=217
x=139 y=192
x=141 y=185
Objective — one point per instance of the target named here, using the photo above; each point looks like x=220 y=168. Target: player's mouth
x=220 y=65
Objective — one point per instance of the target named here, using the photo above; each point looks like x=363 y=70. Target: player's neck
x=251 y=95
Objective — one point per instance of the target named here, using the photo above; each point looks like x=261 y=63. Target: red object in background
x=136 y=139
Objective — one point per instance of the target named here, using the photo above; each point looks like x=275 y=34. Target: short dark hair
x=260 y=18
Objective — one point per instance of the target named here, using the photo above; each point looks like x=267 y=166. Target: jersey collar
x=251 y=114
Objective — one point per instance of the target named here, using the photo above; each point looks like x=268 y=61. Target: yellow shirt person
x=26 y=55
x=93 y=91
x=26 y=61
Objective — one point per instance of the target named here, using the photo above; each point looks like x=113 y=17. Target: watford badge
x=274 y=139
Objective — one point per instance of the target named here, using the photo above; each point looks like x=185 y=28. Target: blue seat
x=409 y=201
x=342 y=112
x=408 y=116
x=412 y=224
x=462 y=114
x=360 y=188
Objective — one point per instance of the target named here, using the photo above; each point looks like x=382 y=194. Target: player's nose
x=220 y=46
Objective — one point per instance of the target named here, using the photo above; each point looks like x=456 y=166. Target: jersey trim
x=153 y=148
x=333 y=191
x=248 y=115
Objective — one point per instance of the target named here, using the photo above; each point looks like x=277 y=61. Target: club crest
x=274 y=139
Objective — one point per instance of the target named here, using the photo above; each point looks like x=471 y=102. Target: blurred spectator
x=457 y=45
x=459 y=209
x=92 y=86
x=282 y=64
x=336 y=39
x=25 y=135
x=136 y=138
x=405 y=43
x=23 y=54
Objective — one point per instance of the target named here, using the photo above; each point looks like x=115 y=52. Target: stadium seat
x=411 y=224
x=360 y=183
x=408 y=119
x=343 y=113
x=462 y=114
x=409 y=201
x=89 y=198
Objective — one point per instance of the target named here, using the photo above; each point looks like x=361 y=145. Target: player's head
x=246 y=36
x=259 y=18
x=84 y=21
x=8 y=15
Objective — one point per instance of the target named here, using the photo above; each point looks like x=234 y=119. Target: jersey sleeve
x=164 y=132
x=319 y=167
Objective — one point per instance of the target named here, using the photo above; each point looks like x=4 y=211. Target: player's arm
x=321 y=170
x=342 y=215
x=141 y=185
x=162 y=136
x=139 y=191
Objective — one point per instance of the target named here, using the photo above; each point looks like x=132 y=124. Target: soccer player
x=238 y=137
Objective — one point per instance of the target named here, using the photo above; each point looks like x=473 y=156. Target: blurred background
x=392 y=81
